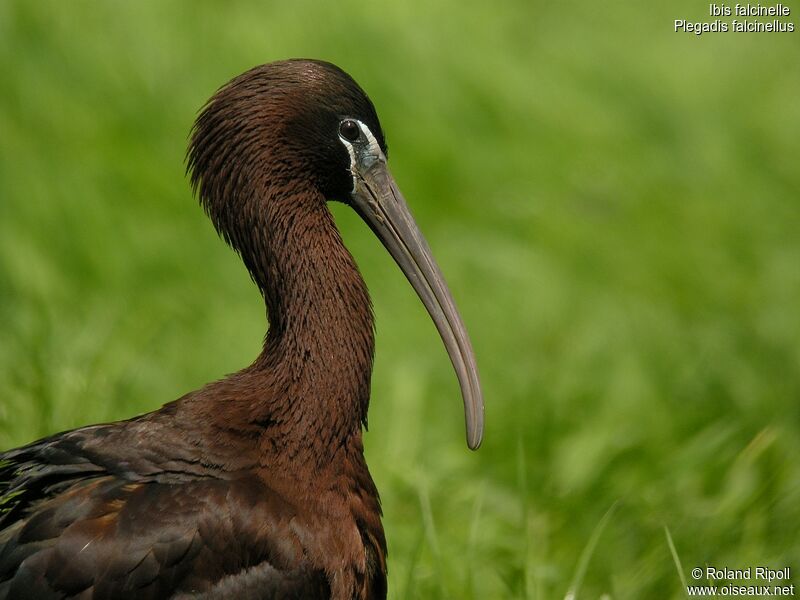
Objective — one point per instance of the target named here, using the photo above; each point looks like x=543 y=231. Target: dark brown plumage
x=254 y=486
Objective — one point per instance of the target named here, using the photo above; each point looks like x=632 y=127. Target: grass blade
x=676 y=559
x=588 y=551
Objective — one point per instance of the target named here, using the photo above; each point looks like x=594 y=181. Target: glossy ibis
x=254 y=486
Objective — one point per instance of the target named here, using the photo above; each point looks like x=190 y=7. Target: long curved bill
x=380 y=203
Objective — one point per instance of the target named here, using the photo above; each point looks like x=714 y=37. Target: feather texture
x=254 y=486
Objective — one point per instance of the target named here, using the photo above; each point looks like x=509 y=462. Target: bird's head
x=279 y=120
x=296 y=126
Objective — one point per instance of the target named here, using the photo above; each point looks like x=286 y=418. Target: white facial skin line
x=374 y=149
x=351 y=151
x=373 y=143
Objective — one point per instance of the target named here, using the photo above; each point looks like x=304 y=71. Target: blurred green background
x=617 y=210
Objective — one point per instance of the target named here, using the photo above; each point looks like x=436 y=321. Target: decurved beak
x=379 y=202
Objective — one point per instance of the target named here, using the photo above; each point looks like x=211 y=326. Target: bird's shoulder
x=102 y=511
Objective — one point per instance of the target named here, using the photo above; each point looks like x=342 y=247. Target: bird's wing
x=73 y=528
x=40 y=470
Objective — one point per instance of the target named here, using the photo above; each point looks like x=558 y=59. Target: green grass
x=616 y=208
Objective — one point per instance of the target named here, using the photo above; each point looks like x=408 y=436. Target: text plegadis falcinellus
x=254 y=486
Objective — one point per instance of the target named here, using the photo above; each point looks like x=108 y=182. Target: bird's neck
x=318 y=352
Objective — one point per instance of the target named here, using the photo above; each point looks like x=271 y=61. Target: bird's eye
x=349 y=130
